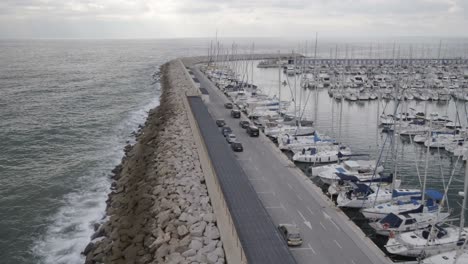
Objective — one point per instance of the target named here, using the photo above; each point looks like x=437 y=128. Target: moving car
x=231 y=138
x=220 y=122
x=228 y=105
x=291 y=234
x=237 y=146
x=226 y=131
x=235 y=113
x=253 y=131
x=244 y=124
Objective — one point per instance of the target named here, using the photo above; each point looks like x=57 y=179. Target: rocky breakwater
x=159 y=210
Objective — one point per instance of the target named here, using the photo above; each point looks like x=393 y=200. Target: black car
x=228 y=105
x=259 y=125
x=220 y=122
x=226 y=131
x=253 y=131
x=235 y=113
x=244 y=124
x=237 y=147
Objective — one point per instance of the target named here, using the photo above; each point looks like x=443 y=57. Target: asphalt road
x=290 y=197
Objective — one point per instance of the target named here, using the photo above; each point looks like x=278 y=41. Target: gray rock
x=219 y=251
x=162 y=251
x=198 y=228
x=189 y=253
x=209 y=248
x=212 y=258
x=183 y=217
x=195 y=244
x=212 y=232
x=175 y=258
x=182 y=230
x=209 y=217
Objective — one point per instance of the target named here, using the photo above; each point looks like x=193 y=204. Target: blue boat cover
x=434 y=194
x=362 y=188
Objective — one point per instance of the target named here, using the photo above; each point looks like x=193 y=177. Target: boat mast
x=315 y=80
x=465 y=189
x=279 y=84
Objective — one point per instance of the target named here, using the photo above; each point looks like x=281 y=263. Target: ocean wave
x=73 y=224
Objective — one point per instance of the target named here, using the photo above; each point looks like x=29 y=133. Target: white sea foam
x=72 y=225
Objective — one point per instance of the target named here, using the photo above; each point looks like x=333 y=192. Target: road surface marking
x=269 y=192
x=352 y=261
x=310 y=210
x=307 y=223
x=274 y=207
x=290 y=186
x=302 y=216
x=299 y=197
x=305 y=248
x=333 y=222
x=336 y=242
x=311 y=248
x=323 y=226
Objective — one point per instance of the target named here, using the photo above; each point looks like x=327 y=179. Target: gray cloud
x=196 y=18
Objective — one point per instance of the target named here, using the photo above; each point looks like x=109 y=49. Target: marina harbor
x=378 y=201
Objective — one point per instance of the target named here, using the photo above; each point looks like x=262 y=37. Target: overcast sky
x=232 y=18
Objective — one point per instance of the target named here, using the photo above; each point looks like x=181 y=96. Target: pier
x=269 y=182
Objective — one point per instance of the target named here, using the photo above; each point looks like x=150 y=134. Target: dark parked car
x=220 y=122
x=228 y=105
x=235 y=113
x=231 y=138
x=226 y=131
x=237 y=147
x=259 y=125
x=253 y=131
x=244 y=124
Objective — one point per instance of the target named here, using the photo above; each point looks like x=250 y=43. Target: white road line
x=323 y=226
x=333 y=222
x=302 y=216
x=290 y=186
x=266 y=193
x=299 y=197
x=313 y=251
x=336 y=242
x=274 y=207
x=352 y=261
x=310 y=210
x=257 y=179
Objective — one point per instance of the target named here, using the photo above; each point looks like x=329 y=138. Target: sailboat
x=459 y=256
x=414 y=204
x=435 y=239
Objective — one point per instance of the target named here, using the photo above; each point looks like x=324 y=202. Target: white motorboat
x=362 y=169
x=287 y=129
x=405 y=222
x=322 y=154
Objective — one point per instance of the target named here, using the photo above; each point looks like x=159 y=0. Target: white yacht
x=398 y=206
x=458 y=256
x=362 y=169
x=397 y=223
x=428 y=242
x=360 y=195
x=322 y=154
